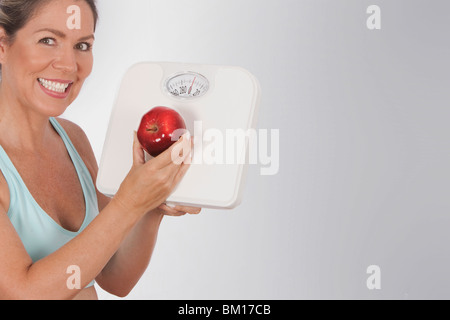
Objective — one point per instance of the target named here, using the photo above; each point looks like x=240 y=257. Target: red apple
x=157 y=128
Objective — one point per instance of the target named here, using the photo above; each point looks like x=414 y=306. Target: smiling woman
x=33 y=49
x=52 y=217
x=15 y=13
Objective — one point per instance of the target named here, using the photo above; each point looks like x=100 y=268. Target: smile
x=57 y=87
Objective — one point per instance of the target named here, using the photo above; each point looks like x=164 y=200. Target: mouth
x=57 y=87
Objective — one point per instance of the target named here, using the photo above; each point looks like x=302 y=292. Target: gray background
x=364 y=160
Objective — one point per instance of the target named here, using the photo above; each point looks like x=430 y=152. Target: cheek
x=31 y=60
x=85 y=65
x=84 y=68
x=21 y=67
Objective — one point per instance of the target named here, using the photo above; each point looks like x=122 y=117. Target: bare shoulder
x=81 y=143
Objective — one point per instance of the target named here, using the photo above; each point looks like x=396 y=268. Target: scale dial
x=187 y=85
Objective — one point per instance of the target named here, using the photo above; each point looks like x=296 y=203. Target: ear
x=4 y=44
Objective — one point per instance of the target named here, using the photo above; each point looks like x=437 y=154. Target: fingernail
x=185 y=136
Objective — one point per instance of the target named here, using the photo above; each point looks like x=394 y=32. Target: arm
x=20 y=278
x=91 y=251
x=130 y=261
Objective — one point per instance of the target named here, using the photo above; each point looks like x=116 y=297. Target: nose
x=66 y=61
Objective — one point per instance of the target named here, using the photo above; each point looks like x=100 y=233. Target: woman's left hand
x=176 y=211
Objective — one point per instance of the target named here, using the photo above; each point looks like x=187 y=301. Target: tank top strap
x=6 y=166
x=86 y=181
x=76 y=158
x=11 y=176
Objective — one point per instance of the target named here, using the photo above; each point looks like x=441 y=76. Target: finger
x=189 y=210
x=181 y=152
x=166 y=158
x=179 y=175
x=169 y=211
x=138 y=151
x=172 y=172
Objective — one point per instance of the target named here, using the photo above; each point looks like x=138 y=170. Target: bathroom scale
x=219 y=105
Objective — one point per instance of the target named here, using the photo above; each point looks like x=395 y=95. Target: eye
x=48 y=41
x=83 y=46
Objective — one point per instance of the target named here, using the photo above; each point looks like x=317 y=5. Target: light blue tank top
x=40 y=234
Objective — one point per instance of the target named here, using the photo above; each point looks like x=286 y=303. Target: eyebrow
x=63 y=35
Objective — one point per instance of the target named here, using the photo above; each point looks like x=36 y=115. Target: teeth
x=54 y=86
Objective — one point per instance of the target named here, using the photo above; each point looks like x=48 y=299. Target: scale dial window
x=187 y=85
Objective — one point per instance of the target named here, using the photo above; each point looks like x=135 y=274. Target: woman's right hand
x=149 y=184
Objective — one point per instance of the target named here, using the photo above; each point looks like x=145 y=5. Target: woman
x=52 y=218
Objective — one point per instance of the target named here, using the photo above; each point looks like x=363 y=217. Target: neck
x=21 y=127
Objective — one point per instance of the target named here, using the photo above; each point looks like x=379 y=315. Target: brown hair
x=14 y=14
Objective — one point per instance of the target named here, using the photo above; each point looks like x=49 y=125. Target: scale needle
x=190 y=89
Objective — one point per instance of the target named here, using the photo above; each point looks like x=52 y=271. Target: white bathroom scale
x=219 y=105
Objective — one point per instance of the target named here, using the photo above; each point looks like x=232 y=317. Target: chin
x=51 y=111
x=53 y=106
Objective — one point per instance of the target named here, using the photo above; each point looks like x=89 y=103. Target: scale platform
x=218 y=104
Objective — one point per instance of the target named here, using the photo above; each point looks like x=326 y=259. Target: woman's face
x=45 y=66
